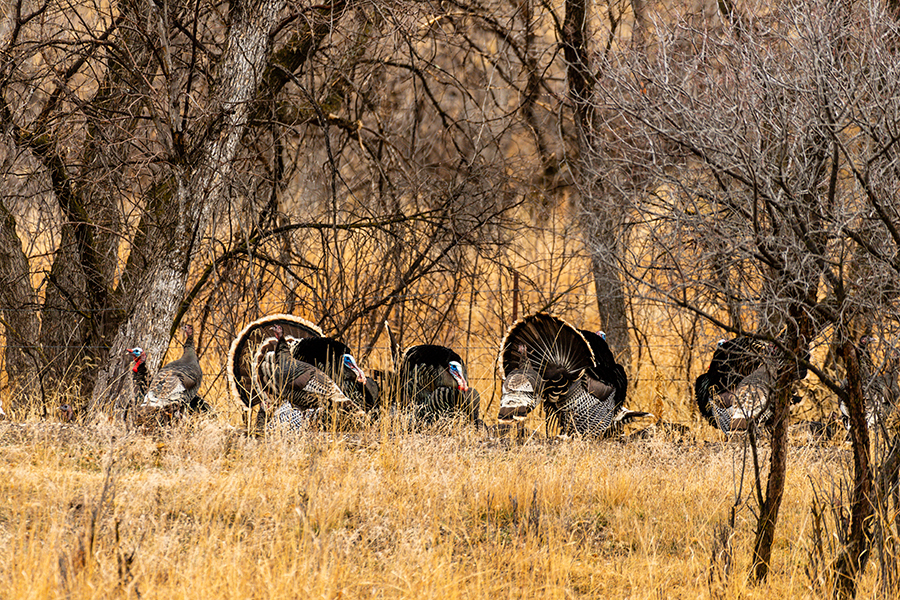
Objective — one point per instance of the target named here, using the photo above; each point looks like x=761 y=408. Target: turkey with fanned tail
x=252 y=345
x=298 y=389
x=736 y=391
x=544 y=359
x=434 y=385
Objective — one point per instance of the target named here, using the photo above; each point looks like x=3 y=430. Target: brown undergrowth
x=200 y=510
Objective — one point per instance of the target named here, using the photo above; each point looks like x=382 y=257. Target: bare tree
x=768 y=154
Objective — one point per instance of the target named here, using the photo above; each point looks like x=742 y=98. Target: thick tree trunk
x=18 y=311
x=603 y=235
x=851 y=562
x=768 y=518
x=799 y=330
x=611 y=302
x=198 y=194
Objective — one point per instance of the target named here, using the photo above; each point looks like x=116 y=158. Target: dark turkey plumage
x=140 y=379
x=299 y=383
x=881 y=389
x=251 y=346
x=737 y=388
x=178 y=381
x=336 y=360
x=434 y=384
x=544 y=359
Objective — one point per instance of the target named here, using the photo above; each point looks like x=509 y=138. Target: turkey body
x=738 y=387
x=433 y=384
x=250 y=348
x=301 y=392
x=881 y=390
x=336 y=360
x=573 y=372
x=177 y=382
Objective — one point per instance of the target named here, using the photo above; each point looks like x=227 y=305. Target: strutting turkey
x=176 y=384
x=737 y=388
x=301 y=391
x=433 y=383
x=544 y=359
x=881 y=389
x=252 y=345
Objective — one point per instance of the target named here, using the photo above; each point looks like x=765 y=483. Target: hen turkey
x=177 y=382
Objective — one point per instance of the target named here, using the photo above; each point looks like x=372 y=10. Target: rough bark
x=768 y=514
x=200 y=190
x=18 y=311
x=853 y=557
x=602 y=237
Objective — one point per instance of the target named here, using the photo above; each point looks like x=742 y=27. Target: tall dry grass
x=201 y=511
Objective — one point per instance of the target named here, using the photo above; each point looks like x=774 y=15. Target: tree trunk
x=18 y=311
x=602 y=238
x=768 y=517
x=797 y=333
x=851 y=562
x=198 y=194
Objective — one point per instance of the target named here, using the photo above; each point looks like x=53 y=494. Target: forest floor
x=200 y=510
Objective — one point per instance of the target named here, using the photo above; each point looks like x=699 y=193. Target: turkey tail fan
x=702 y=394
x=735 y=359
x=551 y=343
x=557 y=350
x=252 y=344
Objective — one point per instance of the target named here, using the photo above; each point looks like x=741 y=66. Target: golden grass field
x=201 y=511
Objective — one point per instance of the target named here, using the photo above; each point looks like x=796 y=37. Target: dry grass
x=201 y=511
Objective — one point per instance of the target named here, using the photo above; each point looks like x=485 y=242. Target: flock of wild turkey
x=299 y=378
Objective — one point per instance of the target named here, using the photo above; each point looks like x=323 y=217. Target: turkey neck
x=281 y=349
x=189 y=352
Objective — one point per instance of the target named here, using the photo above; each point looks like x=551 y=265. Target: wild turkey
x=881 y=390
x=544 y=359
x=307 y=389
x=737 y=388
x=606 y=372
x=433 y=383
x=250 y=347
x=177 y=382
x=336 y=360
x=139 y=375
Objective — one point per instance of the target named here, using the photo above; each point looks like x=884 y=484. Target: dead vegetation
x=201 y=510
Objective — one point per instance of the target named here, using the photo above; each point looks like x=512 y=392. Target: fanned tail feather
x=251 y=344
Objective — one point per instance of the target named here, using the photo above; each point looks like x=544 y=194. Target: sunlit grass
x=202 y=511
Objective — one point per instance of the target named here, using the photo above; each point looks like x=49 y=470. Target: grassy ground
x=201 y=511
